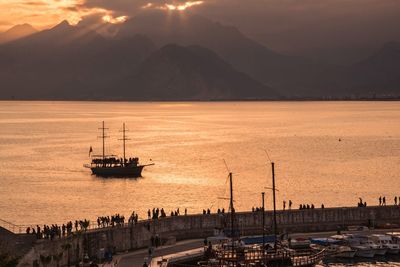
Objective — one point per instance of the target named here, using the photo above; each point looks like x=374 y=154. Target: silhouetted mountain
x=191 y=73
x=17 y=32
x=379 y=73
x=207 y=61
x=290 y=75
x=75 y=62
x=67 y=62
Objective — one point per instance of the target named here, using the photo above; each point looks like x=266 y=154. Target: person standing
x=380 y=201
x=384 y=201
x=395 y=200
x=290 y=204
x=284 y=205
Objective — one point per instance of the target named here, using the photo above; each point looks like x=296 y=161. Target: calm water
x=43 y=146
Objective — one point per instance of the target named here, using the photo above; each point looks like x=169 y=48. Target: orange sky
x=39 y=13
x=46 y=13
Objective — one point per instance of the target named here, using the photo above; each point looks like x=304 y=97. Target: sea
x=330 y=153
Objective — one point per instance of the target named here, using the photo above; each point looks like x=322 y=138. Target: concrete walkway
x=137 y=258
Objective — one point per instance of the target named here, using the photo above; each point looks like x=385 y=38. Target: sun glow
x=173 y=6
x=110 y=19
x=183 y=6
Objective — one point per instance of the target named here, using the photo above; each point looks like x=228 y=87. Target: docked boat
x=365 y=240
x=363 y=251
x=387 y=242
x=344 y=252
x=333 y=247
x=354 y=243
x=112 y=166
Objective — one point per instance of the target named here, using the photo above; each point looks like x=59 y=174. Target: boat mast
x=273 y=194
x=123 y=141
x=232 y=212
x=123 y=137
x=103 y=136
x=263 y=225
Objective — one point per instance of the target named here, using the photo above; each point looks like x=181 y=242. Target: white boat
x=387 y=242
x=334 y=247
x=367 y=241
x=343 y=252
x=363 y=251
x=354 y=242
x=378 y=249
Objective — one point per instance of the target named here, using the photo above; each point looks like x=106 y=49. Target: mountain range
x=164 y=56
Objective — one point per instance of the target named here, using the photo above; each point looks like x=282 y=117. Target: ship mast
x=232 y=212
x=273 y=195
x=103 y=136
x=123 y=141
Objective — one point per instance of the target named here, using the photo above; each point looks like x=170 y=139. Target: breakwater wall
x=131 y=237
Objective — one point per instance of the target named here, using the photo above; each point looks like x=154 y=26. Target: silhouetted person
x=322 y=206
x=284 y=205
x=395 y=200
x=384 y=201
x=290 y=204
x=380 y=201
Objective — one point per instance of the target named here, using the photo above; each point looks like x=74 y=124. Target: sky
x=306 y=27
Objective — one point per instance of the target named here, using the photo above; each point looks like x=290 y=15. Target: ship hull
x=135 y=171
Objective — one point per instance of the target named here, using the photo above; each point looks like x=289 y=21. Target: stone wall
x=131 y=237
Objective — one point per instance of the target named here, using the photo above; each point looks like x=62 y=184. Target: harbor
x=132 y=237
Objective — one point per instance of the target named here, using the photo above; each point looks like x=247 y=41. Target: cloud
x=132 y=7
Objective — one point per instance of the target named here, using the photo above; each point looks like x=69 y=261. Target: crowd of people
x=114 y=220
x=112 y=161
x=157 y=213
x=54 y=230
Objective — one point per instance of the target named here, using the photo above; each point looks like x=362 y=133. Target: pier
x=130 y=237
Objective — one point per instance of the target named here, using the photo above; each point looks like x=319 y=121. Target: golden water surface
x=325 y=152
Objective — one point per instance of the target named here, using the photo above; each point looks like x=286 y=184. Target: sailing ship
x=112 y=166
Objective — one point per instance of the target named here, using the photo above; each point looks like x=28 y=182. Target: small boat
x=333 y=247
x=344 y=252
x=355 y=243
x=112 y=166
x=365 y=240
x=299 y=243
x=387 y=242
x=363 y=251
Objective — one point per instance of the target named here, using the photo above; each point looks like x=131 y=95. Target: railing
x=21 y=229
x=308 y=260
x=14 y=228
